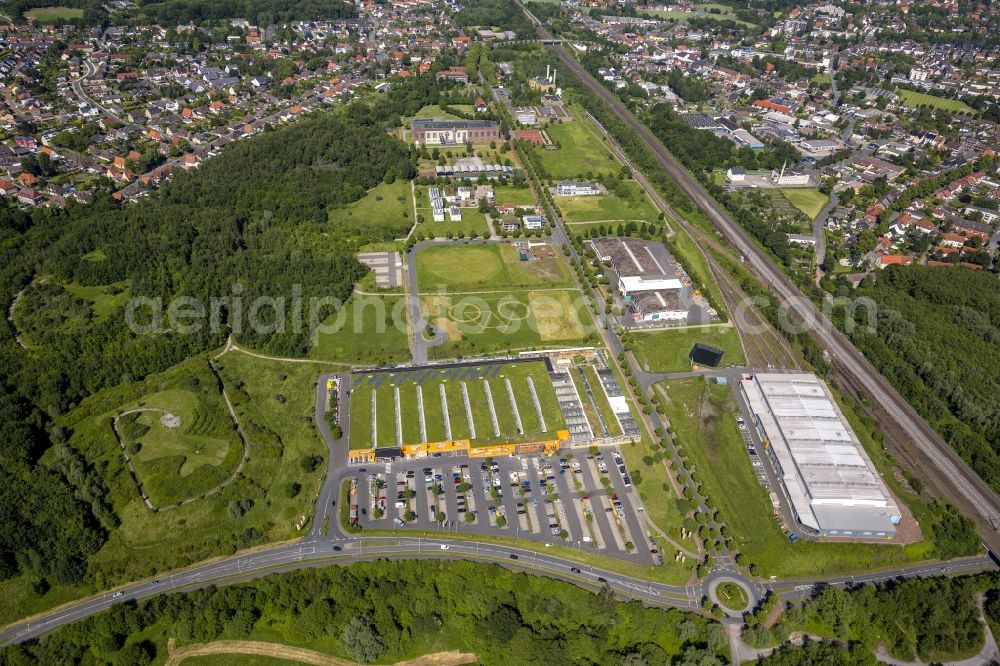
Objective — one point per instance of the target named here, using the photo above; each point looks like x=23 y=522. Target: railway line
x=920 y=444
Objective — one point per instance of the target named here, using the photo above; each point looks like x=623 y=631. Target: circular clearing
x=732 y=596
x=169 y=420
x=513 y=311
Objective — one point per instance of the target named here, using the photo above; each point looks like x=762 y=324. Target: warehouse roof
x=829 y=477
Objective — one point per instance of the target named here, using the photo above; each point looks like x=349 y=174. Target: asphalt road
x=944 y=469
x=340 y=550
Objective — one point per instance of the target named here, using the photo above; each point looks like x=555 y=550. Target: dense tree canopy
x=936 y=336
x=247 y=225
x=394 y=610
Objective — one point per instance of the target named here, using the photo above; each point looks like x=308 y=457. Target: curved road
x=942 y=467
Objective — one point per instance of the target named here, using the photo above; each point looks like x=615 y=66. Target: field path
x=177 y=655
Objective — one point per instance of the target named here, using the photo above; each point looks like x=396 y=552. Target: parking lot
x=575 y=499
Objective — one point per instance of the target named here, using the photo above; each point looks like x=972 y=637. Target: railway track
x=920 y=444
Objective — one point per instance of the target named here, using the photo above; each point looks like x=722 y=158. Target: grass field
x=581 y=151
x=499 y=321
x=702 y=417
x=667 y=351
x=519 y=196
x=472 y=222
x=809 y=200
x=53 y=14
x=435 y=111
x=381 y=388
x=175 y=464
x=103 y=299
x=611 y=207
x=480 y=266
x=914 y=100
x=370 y=329
x=384 y=207
x=274 y=401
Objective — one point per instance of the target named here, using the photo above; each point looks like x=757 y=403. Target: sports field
x=486 y=403
x=480 y=266
x=914 y=100
x=485 y=300
x=581 y=150
x=53 y=14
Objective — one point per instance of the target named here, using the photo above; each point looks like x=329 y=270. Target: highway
x=950 y=476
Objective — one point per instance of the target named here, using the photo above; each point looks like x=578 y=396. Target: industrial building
x=427 y=132
x=831 y=484
x=650 y=292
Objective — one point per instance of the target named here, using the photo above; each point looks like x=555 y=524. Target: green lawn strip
x=588 y=408
x=670 y=573
x=809 y=200
x=410 y=413
x=547 y=400
x=522 y=396
x=720 y=462
x=385 y=415
x=655 y=490
x=371 y=329
x=667 y=350
x=361 y=416
x=505 y=413
x=601 y=398
x=696 y=263
x=456 y=410
x=433 y=416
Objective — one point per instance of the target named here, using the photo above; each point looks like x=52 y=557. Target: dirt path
x=231 y=347
x=177 y=655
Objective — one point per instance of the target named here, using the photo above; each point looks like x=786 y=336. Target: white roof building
x=829 y=479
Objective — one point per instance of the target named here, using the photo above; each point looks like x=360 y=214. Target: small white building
x=533 y=222
x=455 y=213
x=736 y=174
x=572 y=188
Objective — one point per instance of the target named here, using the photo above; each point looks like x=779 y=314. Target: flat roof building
x=651 y=293
x=430 y=132
x=831 y=483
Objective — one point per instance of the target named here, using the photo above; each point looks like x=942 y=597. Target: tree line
x=386 y=611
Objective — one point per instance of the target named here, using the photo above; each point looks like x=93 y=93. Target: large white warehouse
x=829 y=479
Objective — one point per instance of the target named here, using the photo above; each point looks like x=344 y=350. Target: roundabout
x=731 y=591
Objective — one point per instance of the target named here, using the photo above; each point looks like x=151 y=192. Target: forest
x=251 y=222
x=386 y=611
x=497 y=14
x=930 y=619
x=936 y=337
